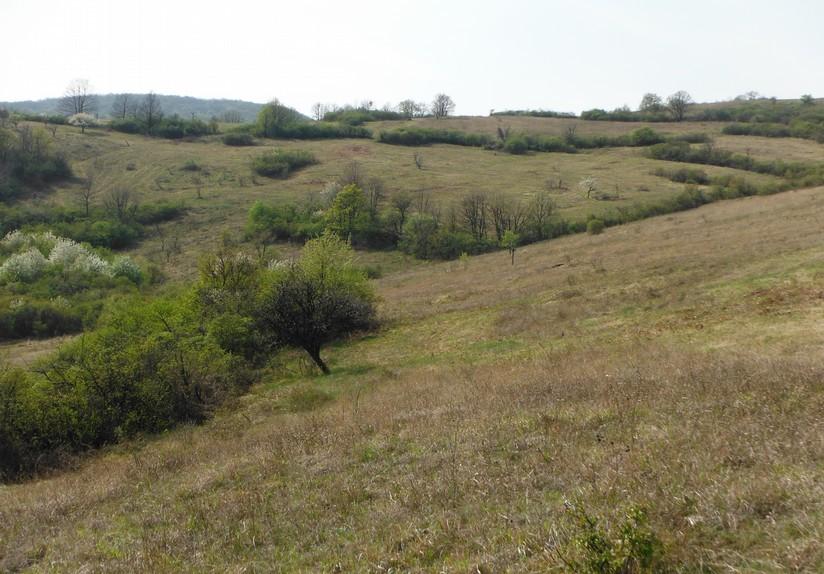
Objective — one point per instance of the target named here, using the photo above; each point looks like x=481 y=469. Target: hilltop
x=184 y=106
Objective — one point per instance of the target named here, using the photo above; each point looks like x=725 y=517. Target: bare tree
x=88 y=189
x=78 y=99
x=507 y=215
x=318 y=111
x=474 y=208
x=352 y=174
x=402 y=202
x=678 y=104
x=442 y=106
x=120 y=203
x=374 y=195
x=540 y=210
x=124 y=106
x=150 y=111
x=231 y=117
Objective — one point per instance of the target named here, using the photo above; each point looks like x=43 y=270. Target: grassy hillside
x=156 y=169
x=671 y=365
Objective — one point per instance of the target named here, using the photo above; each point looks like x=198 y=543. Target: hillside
x=184 y=106
x=672 y=364
x=654 y=390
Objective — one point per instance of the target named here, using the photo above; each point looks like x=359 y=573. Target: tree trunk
x=315 y=354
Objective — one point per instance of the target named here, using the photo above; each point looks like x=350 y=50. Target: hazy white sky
x=552 y=54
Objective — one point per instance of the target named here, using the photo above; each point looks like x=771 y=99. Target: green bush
x=516 y=145
x=280 y=163
x=595 y=226
x=148 y=367
x=238 y=139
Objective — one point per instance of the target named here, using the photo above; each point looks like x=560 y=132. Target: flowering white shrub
x=26 y=266
x=125 y=267
x=74 y=257
x=32 y=254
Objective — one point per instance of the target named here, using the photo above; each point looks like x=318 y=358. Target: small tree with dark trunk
x=678 y=104
x=318 y=298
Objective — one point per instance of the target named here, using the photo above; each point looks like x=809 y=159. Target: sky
x=517 y=54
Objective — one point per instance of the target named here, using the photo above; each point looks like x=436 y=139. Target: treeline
x=534 y=113
x=153 y=363
x=28 y=160
x=144 y=115
x=799 y=173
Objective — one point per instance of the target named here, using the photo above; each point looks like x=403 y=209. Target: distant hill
x=184 y=106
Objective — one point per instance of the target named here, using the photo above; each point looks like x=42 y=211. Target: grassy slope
x=154 y=169
x=673 y=363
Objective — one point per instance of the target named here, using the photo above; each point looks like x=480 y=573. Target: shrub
x=280 y=163
x=516 y=145
x=147 y=368
x=595 y=226
x=238 y=139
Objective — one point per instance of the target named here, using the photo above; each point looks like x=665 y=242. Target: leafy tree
x=807 y=100
x=348 y=207
x=678 y=104
x=510 y=242
x=651 y=103
x=274 y=117
x=318 y=298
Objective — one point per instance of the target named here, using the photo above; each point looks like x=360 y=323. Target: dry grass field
x=672 y=365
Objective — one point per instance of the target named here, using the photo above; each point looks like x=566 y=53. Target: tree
x=78 y=99
x=678 y=104
x=82 y=121
x=346 y=210
x=510 y=242
x=807 y=99
x=318 y=111
x=442 y=106
x=409 y=109
x=588 y=185
x=120 y=203
x=651 y=103
x=88 y=189
x=474 y=208
x=541 y=209
x=275 y=116
x=124 y=106
x=318 y=298
x=150 y=112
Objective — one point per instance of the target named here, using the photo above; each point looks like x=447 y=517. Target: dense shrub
x=145 y=369
x=534 y=113
x=172 y=127
x=685 y=175
x=426 y=136
x=595 y=226
x=281 y=162
x=283 y=222
x=516 y=145
x=28 y=160
x=278 y=121
x=359 y=116
x=38 y=319
x=238 y=139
